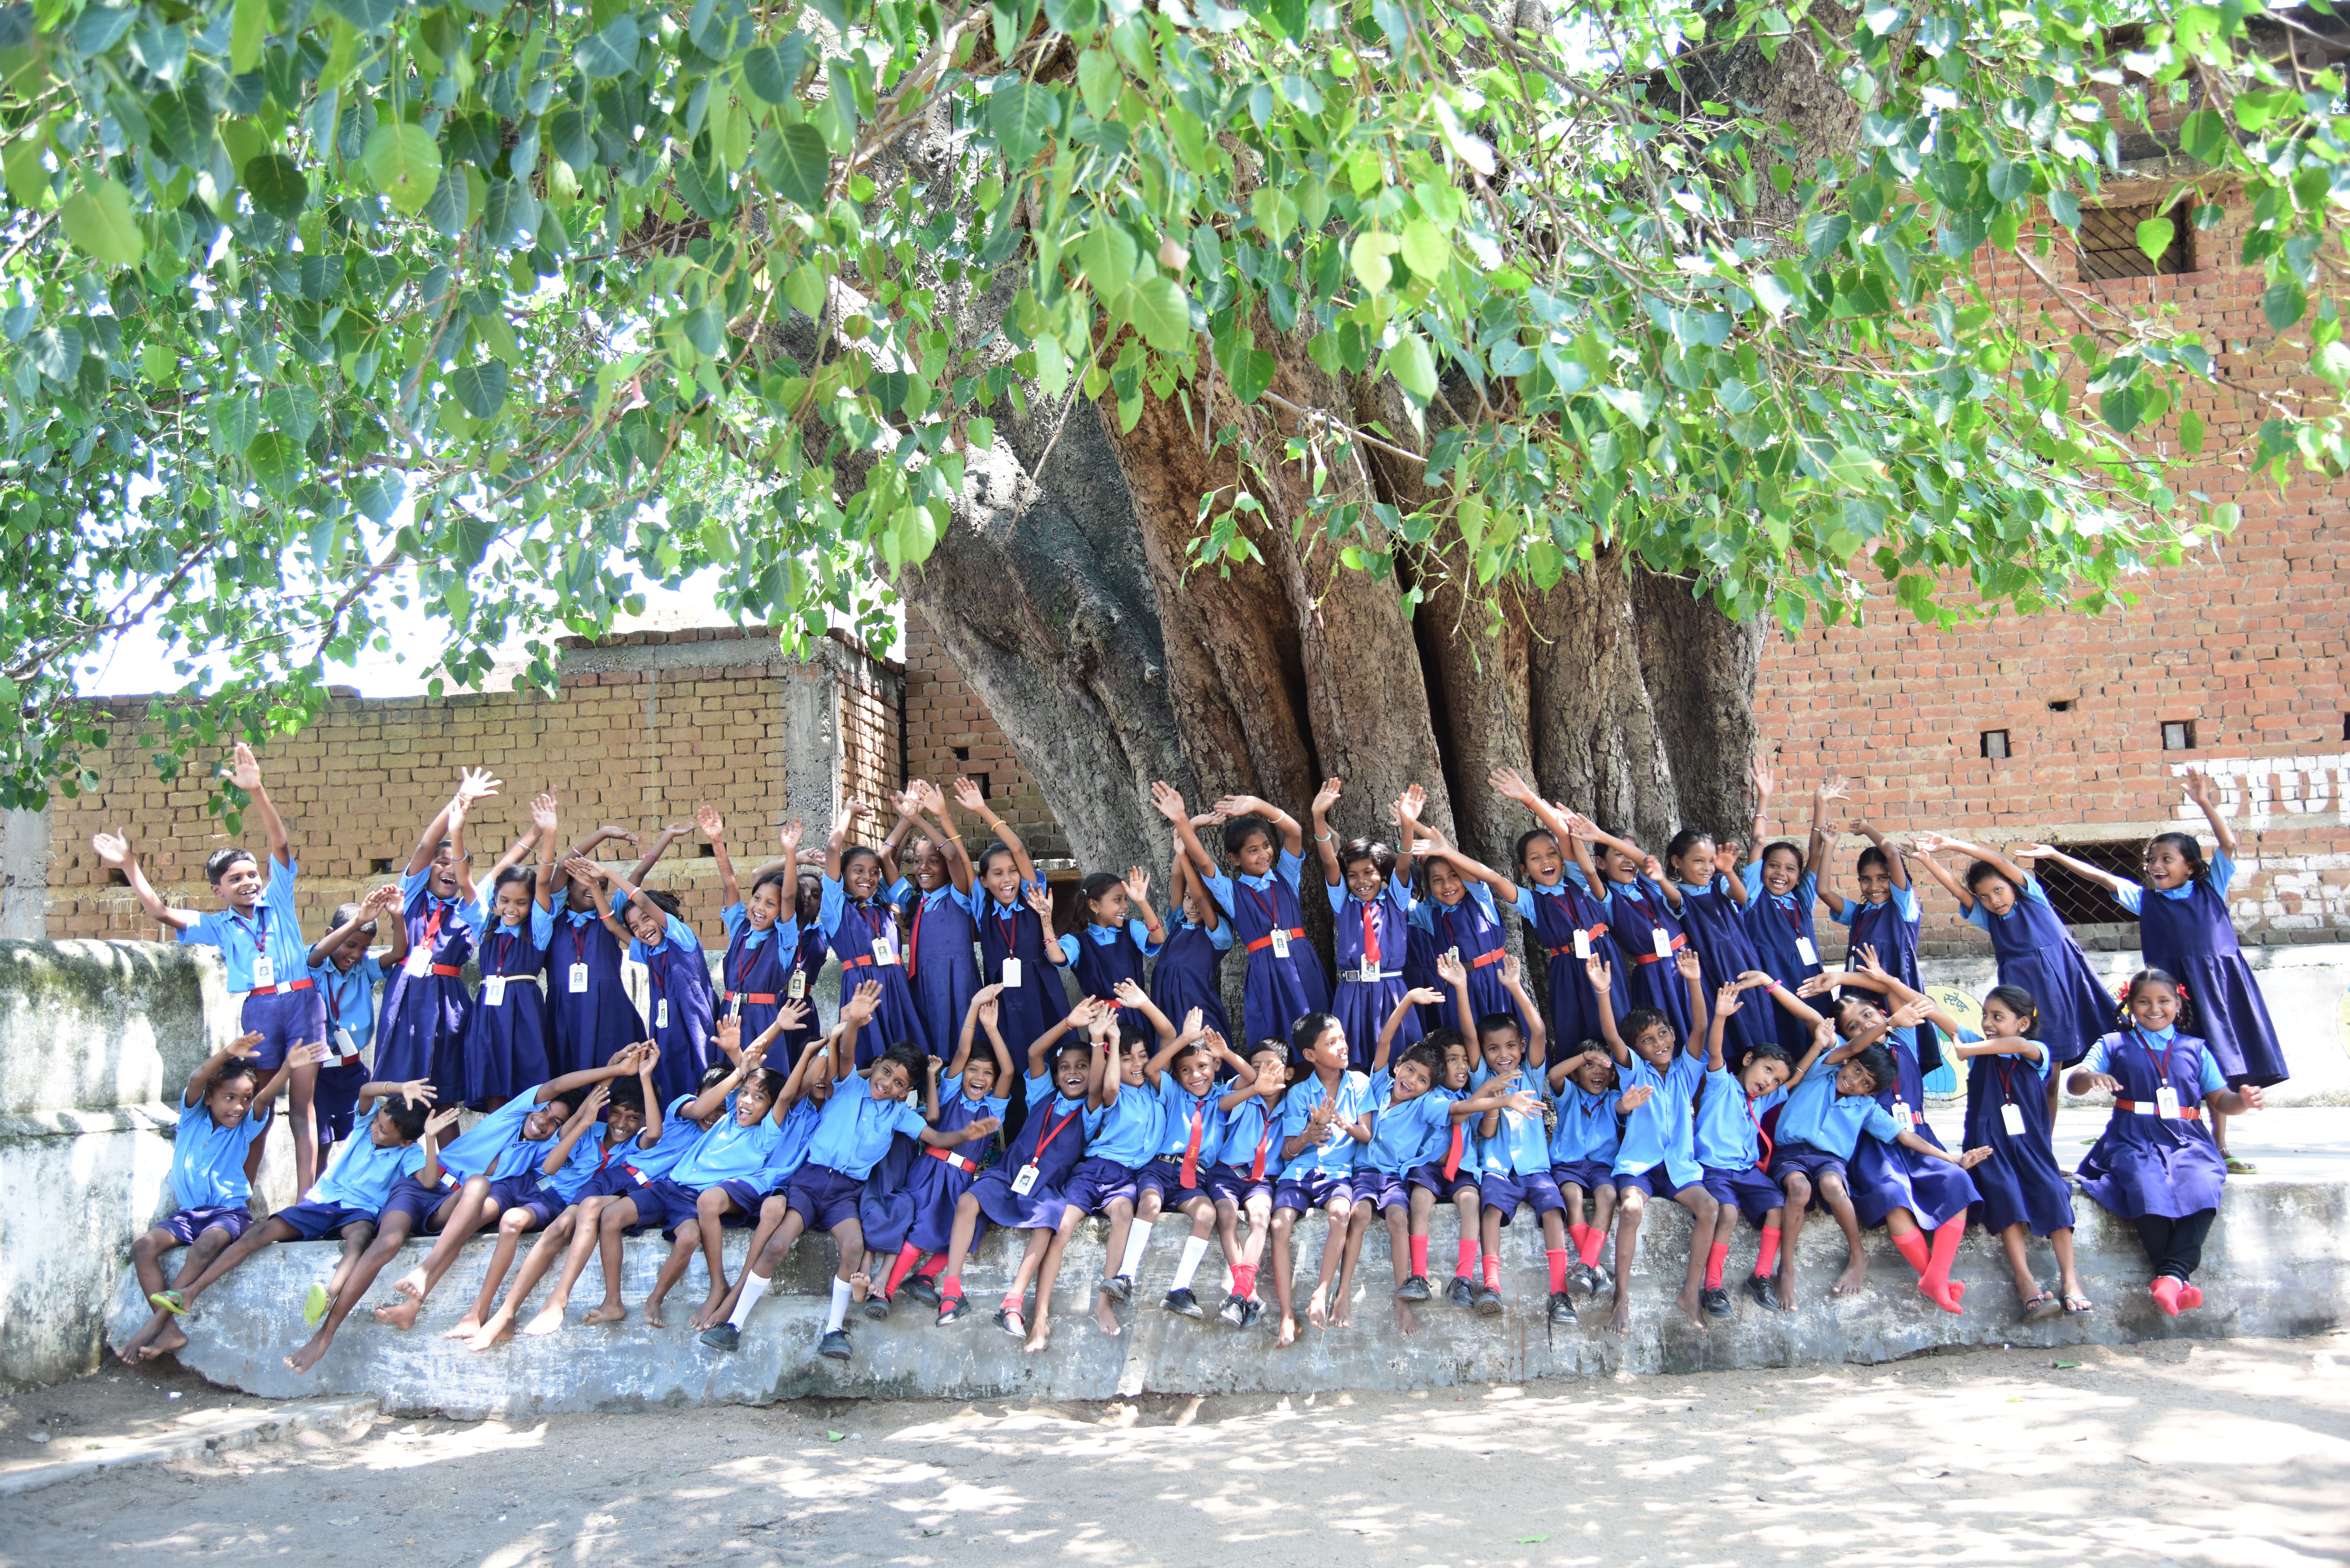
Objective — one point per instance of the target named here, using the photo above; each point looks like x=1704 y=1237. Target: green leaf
x=379 y=496
x=98 y=222
x=1162 y=313
x=56 y=352
x=1252 y=374
x=2283 y=303
x=1639 y=407
x=1823 y=234
x=1425 y=249
x=27 y=181
x=1108 y=257
x=1275 y=215
x=277 y=462
x=248 y=30
x=2154 y=237
x=610 y=52
x=1412 y=366
x=1021 y=115
x=2123 y=406
x=567 y=133
x=1099 y=79
x=2204 y=136
x=404 y=161
x=772 y=72
x=796 y=164
x=1369 y=257
x=366 y=15
x=482 y=389
x=1855 y=469
x=184 y=120
x=277 y=186
x=2190 y=431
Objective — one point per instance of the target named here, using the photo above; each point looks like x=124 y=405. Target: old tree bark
x=1061 y=594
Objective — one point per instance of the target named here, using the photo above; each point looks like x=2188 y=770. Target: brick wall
x=949 y=732
x=648 y=725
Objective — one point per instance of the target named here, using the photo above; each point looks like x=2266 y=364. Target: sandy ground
x=2229 y=1452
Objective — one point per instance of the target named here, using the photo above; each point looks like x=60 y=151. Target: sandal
x=169 y=1301
x=1010 y=1320
x=2076 y=1305
x=2042 y=1307
x=2241 y=1167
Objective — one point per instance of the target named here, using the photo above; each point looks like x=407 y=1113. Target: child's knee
x=515 y=1222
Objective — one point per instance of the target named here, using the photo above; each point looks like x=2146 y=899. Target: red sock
x=1493 y=1272
x=1587 y=1246
x=934 y=1268
x=1557 y=1257
x=1467 y=1268
x=1716 y=1255
x=1946 y=1238
x=2166 y=1293
x=1575 y=1235
x=1013 y=1299
x=2189 y=1296
x=1767 y=1258
x=1913 y=1247
x=901 y=1267
x=1244 y=1280
x=950 y=1287
x=1419 y=1256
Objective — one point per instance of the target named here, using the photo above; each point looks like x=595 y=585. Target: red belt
x=957 y=1161
x=1678 y=944
x=1481 y=960
x=755 y=998
x=2186 y=1112
x=1594 y=934
x=853 y=963
x=447 y=968
x=274 y=990
x=1295 y=935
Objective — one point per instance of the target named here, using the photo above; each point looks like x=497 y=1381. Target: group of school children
x=1697 y=1053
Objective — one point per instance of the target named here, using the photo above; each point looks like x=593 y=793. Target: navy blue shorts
x=613 y=1181
x=1382 y=1190
x=284 y=1019
x=747 y=1197
x=1164 y=1176
x=335 y=1102
x=187 y=1224
x=665 y=1206
x=413 y=1199
x=1226 y=1185
x=312 y=1220
x=1657 y=1181
x=1095 y=1182
x=1805 y=1159
x=1506 y=1190
x=823 y=1196
x=528 y=1191
x=1445 y=1187
x=1590 y=1175
x=1314 y=1192
x=1754 y=1191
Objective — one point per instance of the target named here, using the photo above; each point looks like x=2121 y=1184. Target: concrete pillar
x=812 y=749
x=24 y=874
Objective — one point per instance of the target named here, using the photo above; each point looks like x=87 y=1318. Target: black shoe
x=1234 y=1311
x=1118 y=1288
x=1183 y=1303
x=1716 y=1302
x=1759 y=1287
x=953 y=1308
x=1460 y=1293
x=1011 y=1322
x=1251 y=1310
x=1603 y=1280
x=1562 y=1310
x=923 y=1289
x=1414 y=1289
x=834 y=1346
x=1489 y=1302
x=877 y=1307
x=722 y=1336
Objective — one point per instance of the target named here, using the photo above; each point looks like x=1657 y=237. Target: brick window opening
x=2179 y=735
x=1994 y=744
x=2081 y=901
x=116 y=878
x=379 y=867
x=2063 y=707
x=705 y=851
x=985 y=792
x=2109 y=248
x=2345 y=726
x=963 y=753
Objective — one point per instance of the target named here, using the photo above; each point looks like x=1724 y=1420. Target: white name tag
x=661 y=1014
x=1280 y=942
x=264 y=973
x=1903 y=1118
x=734 y=1005
x=1662 y=943
x=2165 y=1101
x=2011 y=1116
x=1806 y=950
x=420 y=961
x=799 y=985
x=578 y=980
x=344 y=1044
x=1011 y=974
x=493 y=990
x=1581 y=943
x=884 y=955
x=1026 y=1182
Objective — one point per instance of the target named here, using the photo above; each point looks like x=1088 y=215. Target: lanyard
x=505 y=953
x=334 y=999
x=1794 y=922
x=2161 y=1065
x=1640 y=903
x=1999 y=1064
x=1264 y=900
x=914 y=938
x=1007 y=926
x=258 y=930
x=1052 y=1131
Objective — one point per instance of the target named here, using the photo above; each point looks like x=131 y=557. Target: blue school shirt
x=208 y=1160
x=677 y=1135
x=729 y=1151
x=1289 y=867
x=855 y=1129
x=1423 y=910
x=364 y=1170
x=951 y=1089
x=1903 y=899
x=1177 y=1106
x=791 y=1141
x=589 y=1156
x=1978 y=915
x=274 y=928
x=735 y=919
x=673 y=931
x=540 y=922
x=886 y=937
x=1245 y=1126
x=494 y=1147
x=2210 y=1079
x=350 y=998
x=1807 y=888
x=1587 y=1125
x=1106 y=936
x=2217 y=872
x=1220 y=939
x=1816 y=1115
x=1520 y=1145
x=1660 y=1132
x=1334 y=1155
x=1125 y=1130
x=1406 y=1135
x=1727 y=1135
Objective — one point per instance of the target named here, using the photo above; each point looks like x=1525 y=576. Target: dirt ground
x=2170 y=1454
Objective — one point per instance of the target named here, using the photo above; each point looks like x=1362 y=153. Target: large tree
x=1246 y=394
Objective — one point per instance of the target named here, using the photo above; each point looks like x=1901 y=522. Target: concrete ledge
x=2279 y=1265
x=342 y=1418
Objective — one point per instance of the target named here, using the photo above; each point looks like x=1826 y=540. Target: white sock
x=1194 y=1249
x=1137 y=1238
x=754 y=1287
x=839 y=1305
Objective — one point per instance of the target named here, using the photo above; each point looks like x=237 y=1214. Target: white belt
x=1369 y=976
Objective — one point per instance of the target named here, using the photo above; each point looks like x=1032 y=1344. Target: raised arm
x=1823 y=1037
x=240 y=1049
x=1040 y=1050
x=941 y=825
x=1815 y=850
x=1504 y=890
x=374 y=904
x=1921 y=849
x=855 y=1014
x=560 y=878
x=654 y=851
x=2198 y=785
x=713 y=829
x=647 y=1055
x=2097 y=874
x=429 y=1174
x=1595 y=970
x=544 y=824
x=245 y=773
x=1419 y=996
x=472 y=784
x=984 y=997
x=967 y=796
x=589 y=875
x=1513 y=981
x=1758 y=829
x=1131 y=995
x=1325 y=845
x=114 y=851
x=1693 y=977
x=1931 y=842
x=1187 y=837
x=515 y=855
x=1138 y=898
x=575 y=1129
x=1292 y=838
x=1453 y=971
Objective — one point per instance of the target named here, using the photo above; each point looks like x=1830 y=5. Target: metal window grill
x=2109 y=248
x=2081 y=901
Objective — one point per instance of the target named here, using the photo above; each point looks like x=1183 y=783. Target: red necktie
x=1370 y=936
x=1453 y=1155
x=1190 y=1173
x=1256 y=1170
x=914 y=940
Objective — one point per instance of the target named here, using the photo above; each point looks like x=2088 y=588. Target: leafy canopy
x=317 y=307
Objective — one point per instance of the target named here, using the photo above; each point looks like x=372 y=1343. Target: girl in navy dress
x=941 y=931
x=1782 y=883
x=973 y=1086
x=762 y=933
x=1568 y=919
x=1711 y=895
x=2157 y=1163
x=2187 y=931
x=1284 y=980
x=503 y=1050
x=1647 y=929
x=590 y=1016
x=808 y=960
x=1370 y=910
x=866 y=936
x=1017 y=950
x=424 y=1002
x=2023 y=1191
x=1886 y=916
x=1458 y=912
x=1108 y=946
x=685 y=1017
x=2035 y=951
x=1190 y=968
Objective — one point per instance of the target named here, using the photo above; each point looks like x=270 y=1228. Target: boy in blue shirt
x=1582 y=1148
x=259 y=935
x=1123 y=1122
x=609 y=1201
x=1191 y=1136
x=1324 y=1121
x=1734 y=1150
x=1515 y=1143
x=346 y=975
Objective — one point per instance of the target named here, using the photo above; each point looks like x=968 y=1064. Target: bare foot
x=411 y=1283
x=606 y=1312
x=168 y=1338
x=712 y=1309
x=1288 y=1334
x=1854 y=1275
x=498 y=1329
x=465 y=1328
x=548 y=1320
x=1317 y=1310
x=652 y=1311
x=307 y=1356
x=1782 y=1285
x=401 y=1313
x=1342 y=1313
x=1407 y=1320
x=1105 y=1313
x=138 y=1342
x=1040 y=1337
x=1688 y=1303
x=1620 y=1320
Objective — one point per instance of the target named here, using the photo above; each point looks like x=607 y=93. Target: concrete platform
x=2279 y=1265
